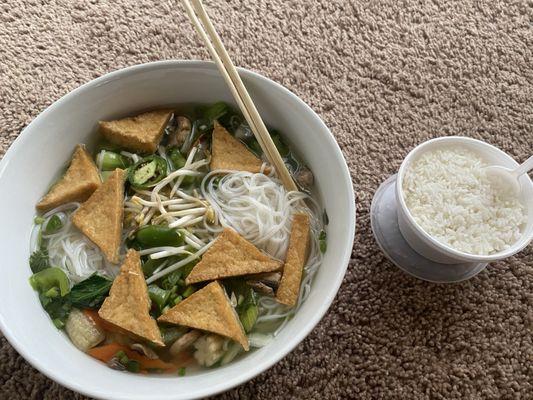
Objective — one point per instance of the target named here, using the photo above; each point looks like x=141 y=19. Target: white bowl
x=46 y=144
x=429 y=247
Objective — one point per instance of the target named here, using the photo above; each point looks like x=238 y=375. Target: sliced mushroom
x=304 y=177
x=260 y=287
x=184 y=342
x=114 y=363
x=144 y=350
x=270 y=279
x=181 y=133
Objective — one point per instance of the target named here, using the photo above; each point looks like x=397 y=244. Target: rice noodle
x=71 y=251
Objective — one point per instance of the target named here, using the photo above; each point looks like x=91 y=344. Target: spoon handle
x=524 y=167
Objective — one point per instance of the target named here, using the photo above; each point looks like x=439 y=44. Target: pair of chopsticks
x=198 y=16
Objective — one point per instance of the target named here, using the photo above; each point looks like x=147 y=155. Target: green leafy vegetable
x=53 y=225
x=57 y=307
x=39 y=260
x=49 y=278
x=322 y=241
x=91 y=292
x=215 y=111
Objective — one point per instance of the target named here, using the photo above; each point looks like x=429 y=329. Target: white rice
x=452 y=199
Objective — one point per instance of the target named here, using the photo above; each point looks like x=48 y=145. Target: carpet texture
x=384 y=75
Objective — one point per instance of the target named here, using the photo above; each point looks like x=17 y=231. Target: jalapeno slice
x=148 y=172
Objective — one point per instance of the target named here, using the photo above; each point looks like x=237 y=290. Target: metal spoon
x=507 y=178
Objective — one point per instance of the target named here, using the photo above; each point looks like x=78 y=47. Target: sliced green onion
x=53 y=225
x=188 y=291
x=133 y=366
x=322 y=241
x=158 y=296
x=182 y=371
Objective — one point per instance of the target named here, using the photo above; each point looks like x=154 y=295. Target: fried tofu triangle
x=289 y=287
x=79 y=181
x=141 y=133
x=208 y=309
x=231 y=255
x=128 y=304
x=230 y=153
x=100 y=217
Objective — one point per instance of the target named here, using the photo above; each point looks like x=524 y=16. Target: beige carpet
x=384 y=75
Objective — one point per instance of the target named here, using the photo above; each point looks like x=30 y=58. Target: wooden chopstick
x=226 y=67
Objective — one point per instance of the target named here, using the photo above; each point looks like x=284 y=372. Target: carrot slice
x=108 y=351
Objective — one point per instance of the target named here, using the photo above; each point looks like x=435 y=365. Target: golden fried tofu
x=79 y=181
x=141 y=133
x=289 y=286
x=100 y=217
x=208 y=309
x=231 y=255
x=230 y=153
x=128 y=303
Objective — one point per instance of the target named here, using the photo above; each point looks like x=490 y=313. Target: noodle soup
x=175 y=246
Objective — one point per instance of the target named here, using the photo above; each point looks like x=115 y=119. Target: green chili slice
x=148 y=172
x=157 y=236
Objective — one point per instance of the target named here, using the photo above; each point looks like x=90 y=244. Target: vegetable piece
x=148 y=172
x=259 y=339
x=322 y=240
x=171 y=334
x=57 y=307
x=158 y=296
x=150 y=265
x=91 y=292
x=176 y=158
x=232 y=352
x=209 y=349
x=107 y=352
x=280 y=145
x=48 y=278
x=182 y=371
x=215 y=111
x=53 y=225
x=109 y=161
x=158 y=235
x=182 y=131
x=178 y=161
x=188 y=291
x=184 y=342
x=304 y=178
x=82 y=330
x=248 y=310
x=144 y=350
x=39 y=260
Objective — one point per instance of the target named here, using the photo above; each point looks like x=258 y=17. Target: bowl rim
x=450 y=251
x=344 y=175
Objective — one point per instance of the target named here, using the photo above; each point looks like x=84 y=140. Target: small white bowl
x=46 y=144
x=434 y=250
